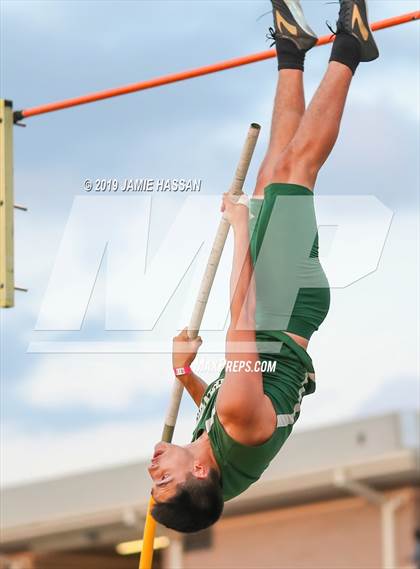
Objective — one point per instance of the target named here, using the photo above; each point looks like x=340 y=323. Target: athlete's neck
x=202 y=450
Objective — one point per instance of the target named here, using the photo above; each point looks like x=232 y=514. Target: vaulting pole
x=189 y=74
x=146 y=557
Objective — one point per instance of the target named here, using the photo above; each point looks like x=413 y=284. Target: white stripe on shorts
x=289 y=419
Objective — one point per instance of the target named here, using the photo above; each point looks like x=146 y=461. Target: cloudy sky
x=78 y=389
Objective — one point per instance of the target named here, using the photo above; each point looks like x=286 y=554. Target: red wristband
x=182 y=370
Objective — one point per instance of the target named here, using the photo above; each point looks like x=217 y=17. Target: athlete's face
x=169 y=467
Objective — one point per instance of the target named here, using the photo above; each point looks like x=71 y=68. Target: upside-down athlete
x=279 y=292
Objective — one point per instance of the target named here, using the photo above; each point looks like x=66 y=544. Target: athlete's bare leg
x=318 y=130
x=289 y=107
x=300 y=144
x=301 y=160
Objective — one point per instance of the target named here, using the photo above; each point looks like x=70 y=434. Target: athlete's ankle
x=346 y=50
x=289 y=56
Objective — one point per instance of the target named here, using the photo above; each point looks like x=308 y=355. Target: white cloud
x=31 y=456
x=401 y=94
x=98 y=382
x=370 y=336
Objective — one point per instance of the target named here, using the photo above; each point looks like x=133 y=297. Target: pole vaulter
x=195 y=322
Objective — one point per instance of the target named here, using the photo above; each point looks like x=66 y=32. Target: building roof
x=382 y=452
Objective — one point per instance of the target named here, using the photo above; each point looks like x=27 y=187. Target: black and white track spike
x=290 y=23
x=353 y=20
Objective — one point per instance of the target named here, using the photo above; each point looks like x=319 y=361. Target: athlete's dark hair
x=197 y=504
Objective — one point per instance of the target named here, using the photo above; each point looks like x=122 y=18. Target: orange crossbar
x=183 y=75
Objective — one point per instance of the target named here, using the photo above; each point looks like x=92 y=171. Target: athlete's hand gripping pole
x=146 y=557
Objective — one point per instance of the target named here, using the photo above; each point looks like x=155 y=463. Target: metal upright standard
x=7 y=282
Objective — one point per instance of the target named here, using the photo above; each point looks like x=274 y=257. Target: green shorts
x=293 y=293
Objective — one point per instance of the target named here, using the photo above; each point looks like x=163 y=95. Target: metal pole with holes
x=7 y=281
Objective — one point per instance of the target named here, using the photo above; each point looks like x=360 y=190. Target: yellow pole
x=7 y=281
x=146 y=557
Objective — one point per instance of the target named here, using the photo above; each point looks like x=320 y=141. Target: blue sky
x=66 y=412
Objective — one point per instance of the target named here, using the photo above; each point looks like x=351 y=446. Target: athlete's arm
x=184 y=352
x=243 y=408
x=194 y=385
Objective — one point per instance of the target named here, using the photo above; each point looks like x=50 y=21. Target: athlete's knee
x=284 y=165
x=294 y=161
x=264 y=178
x=277 y=167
